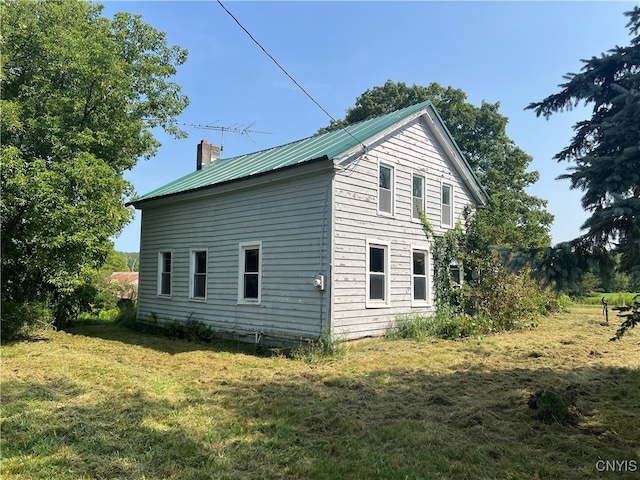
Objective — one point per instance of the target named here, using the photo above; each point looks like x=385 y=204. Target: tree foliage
x=80 y=95
x=605 y=152
x=514 y=217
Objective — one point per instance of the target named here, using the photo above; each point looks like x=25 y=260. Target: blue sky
x=508 y=52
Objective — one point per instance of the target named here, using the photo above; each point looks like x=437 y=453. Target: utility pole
x=243 y=131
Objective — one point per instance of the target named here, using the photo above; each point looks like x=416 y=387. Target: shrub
x=413 y=326
x=508 y=299
x=550 y=407
x=25 y=319
x=326 y=346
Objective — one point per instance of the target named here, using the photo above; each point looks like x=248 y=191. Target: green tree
x=605 y=152
x=514 y=217
x=80 y=95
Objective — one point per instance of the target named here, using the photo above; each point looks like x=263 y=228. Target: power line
x=287 y=73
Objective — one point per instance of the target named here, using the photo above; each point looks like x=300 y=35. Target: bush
x=550 y=407
x=326 y=346
x=20 y=320
x=413 y=326
x=509 y=300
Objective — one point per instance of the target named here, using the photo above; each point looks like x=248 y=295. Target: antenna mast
x=242 y=131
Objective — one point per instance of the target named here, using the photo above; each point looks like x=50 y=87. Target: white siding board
x=292 y=220
x=410 y=150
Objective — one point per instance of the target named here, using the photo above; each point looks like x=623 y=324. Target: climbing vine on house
x=491 y=298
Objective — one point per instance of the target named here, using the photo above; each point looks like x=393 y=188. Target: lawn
x=103 y=402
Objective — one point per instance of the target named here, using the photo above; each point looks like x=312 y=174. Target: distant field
x=103 y=402
x=613 y=299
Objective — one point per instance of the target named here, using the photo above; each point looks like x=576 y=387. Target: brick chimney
x=206 y=153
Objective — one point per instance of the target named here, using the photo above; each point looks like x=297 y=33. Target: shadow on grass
x=469 y=423
x=155 y=338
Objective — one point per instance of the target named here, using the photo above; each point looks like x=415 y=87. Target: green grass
x=102 y=402
x=613 y=299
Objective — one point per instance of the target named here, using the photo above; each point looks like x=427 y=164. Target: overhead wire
x=288 y=75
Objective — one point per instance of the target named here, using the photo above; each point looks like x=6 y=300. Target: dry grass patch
x=100 y=401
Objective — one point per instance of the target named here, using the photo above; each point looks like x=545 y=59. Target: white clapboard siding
x=290 y=214
x=411 y=149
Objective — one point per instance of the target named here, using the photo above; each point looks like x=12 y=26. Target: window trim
x=427 y=274
x=161 y=254
x=243 y=247
x=451 y=204
x=423 y=205
x=192 y=272
x=393 y=188
x=373 y=303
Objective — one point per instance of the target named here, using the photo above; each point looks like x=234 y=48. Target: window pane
x=454 y=274
x=199 y=285
x=376 y=259
x=419 y=288
x=166 y=263
x=419 y=263
x=251 y=260
x=446 y=195
x=250 y=285
x=376 y=287
x=418 y=186
x=165 y=287
x=384 y=204
x=446 y=215
x=385 y=177
x=200 y=262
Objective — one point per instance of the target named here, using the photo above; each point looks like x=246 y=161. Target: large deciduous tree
x=606 y=148
x=514 y=217
x=80 y=95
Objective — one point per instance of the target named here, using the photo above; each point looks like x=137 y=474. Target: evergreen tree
x=606 y=155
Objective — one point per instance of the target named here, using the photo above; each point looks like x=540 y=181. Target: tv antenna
x=243 y=131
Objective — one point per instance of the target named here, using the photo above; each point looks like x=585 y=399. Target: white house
x=321 y=235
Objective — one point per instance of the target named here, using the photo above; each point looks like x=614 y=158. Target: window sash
x=419 y=272
x=199 y=274
x=250 y=274
x=418 y=195
x=385 y=189
x=447 y=205
x=164 y=264
x=378 y=273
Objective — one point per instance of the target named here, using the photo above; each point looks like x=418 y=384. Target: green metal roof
x=327 y=145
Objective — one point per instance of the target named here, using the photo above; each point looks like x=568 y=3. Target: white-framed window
x=386 y=189
x=164 y=272
x=378 y=281
x=250 y=273
x=198 y=274
x=417 y=196
x=447 y=205
x=420 y=288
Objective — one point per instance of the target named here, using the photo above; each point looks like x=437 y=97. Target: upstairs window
x=164 y=273
x=417 y=196
x=447 y=205
x=198 y=267
x=385 y=189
